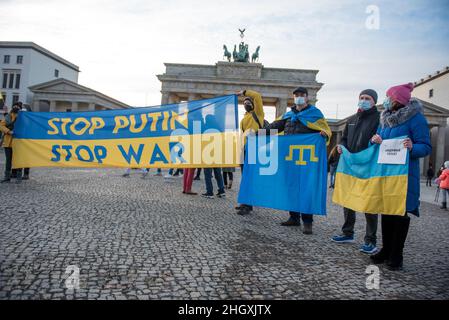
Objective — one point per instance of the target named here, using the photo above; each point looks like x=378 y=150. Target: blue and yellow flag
x=366 y=186
x=312 y=118
x=285 y=172
x=201 y=133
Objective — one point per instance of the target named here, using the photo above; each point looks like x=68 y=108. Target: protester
x=430 y=175
x=303 y=118
x=444 y=184
x=252 y=121
x=188 y=181
x=403 y=116
x=334 y=156
x=209 y=187
x=228 y=177
x=198 y=173
x=128 y=172
x=358 y=131
x=7 y=129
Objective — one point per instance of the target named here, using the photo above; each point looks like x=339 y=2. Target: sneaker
x=368 y=248
x=343 y=239
x=125 y=175
x=221 y=195
x=207 y=195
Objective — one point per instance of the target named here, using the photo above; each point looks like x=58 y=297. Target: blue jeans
x=333 y=172
x=296 y=216
x=218 y=177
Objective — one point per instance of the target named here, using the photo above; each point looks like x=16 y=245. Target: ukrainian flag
x=364 y=185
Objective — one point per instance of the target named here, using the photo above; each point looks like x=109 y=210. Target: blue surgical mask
x=365 y=104
x=387 y=103
x=299 y=101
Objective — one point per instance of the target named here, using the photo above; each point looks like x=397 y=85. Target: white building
x=24 y=64
x=434 y=88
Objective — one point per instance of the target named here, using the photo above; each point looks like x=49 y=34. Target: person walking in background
x=430 y=175
x=7 y=129
x=444 y=184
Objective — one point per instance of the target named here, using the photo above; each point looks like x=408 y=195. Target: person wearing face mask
x=303 y=118
x=7 y=127
x=252 y=121
x=403 y=116
x=358 y=131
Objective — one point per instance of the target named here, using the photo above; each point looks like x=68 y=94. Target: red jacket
x=444 y=178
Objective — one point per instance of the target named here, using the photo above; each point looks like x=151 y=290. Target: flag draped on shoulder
x=364 y=185
x=312 y=118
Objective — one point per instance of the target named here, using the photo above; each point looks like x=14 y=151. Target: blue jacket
x=409 y=121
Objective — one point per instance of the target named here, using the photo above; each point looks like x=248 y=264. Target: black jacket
x=359 y=129
x=289 y=127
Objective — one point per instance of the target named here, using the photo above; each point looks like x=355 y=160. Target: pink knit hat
x=401 y=93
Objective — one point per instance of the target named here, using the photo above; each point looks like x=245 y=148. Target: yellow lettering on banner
x=53 y=126
x=65 y=122
x=165 y=120
x=154 y=117
x=132 y=127
x=81 y=131
x=182 y=119
x=121 y=122
x=97 y=123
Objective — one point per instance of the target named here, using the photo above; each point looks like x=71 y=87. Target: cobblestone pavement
x=136 y=238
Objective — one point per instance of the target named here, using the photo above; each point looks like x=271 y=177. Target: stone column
x=441 y=137
x=193 y=96
x=338 y=137
x=281 y=106
x=52 y=106
x=36 y=105
x=74 y=106
x=172 y=98
x=164 y=99
x=91 y=107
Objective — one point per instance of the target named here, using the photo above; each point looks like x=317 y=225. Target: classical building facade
x=62 y=95
x=25 y=64
x=183 y=82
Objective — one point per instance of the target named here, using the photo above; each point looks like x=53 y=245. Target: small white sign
x=392 y=151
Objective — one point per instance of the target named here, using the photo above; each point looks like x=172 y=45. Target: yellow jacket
x=7 y=138
x=248 y=122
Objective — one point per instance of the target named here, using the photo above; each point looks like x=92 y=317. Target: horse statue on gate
x=226 y=53
x=255 y=55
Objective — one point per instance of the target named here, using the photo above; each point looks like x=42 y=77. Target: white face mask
x=299 y=101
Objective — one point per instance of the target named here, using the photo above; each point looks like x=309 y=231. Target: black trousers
x=394 y=234
x=16 y=173
x=245 y=205
x=225 y=177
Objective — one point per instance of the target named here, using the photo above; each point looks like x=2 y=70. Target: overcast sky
x=121 y=46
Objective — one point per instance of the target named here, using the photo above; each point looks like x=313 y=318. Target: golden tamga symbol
x=301 y=161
